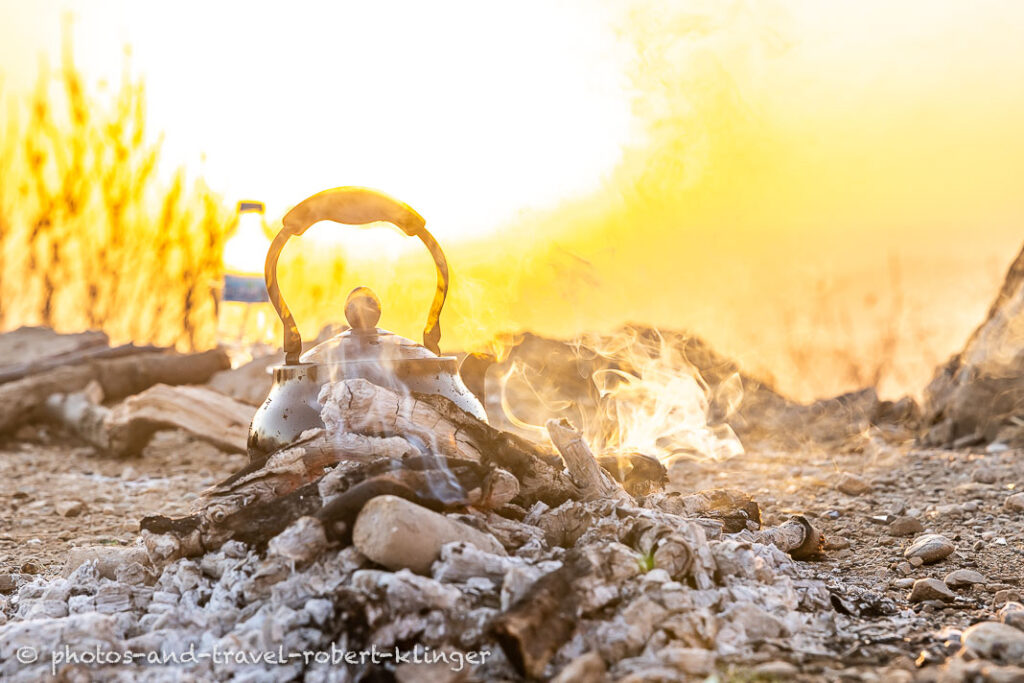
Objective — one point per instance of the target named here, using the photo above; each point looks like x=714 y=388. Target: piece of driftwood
x=27 y=345
x=533 y=629
x=735 y=508
x=795 y=536
x=21 y=399
x=586 y=473
x=125 y=429
x=9 y=373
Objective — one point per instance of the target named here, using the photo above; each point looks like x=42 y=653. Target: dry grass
x=92 y=234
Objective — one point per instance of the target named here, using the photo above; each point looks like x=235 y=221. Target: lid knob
x=362 y=309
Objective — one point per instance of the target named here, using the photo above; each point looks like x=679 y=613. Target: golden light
x=471 y=112
x=808 y=185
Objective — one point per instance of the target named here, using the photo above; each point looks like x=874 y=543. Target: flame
x=635 y=392
x=660 y=405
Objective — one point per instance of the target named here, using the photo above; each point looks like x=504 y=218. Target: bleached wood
x=594 y=482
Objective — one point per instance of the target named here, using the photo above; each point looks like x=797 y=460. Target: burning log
x=21 y=399
x=586 y=473
x=359 y=407
x=261 y=500
x=126 y=429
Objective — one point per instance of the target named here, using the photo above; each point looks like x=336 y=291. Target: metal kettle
x=363 y=350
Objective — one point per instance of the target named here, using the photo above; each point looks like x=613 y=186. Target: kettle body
x=363 y=351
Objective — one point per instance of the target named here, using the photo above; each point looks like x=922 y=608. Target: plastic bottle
x=245 y=318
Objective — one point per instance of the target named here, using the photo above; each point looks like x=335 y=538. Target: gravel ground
x=56 y=495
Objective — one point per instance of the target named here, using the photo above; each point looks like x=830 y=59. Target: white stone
x=929 y=548
x=398 y=534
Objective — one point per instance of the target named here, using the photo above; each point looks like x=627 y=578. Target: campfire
x=535 y=517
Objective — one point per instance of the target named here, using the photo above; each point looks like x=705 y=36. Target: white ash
x=740 y=596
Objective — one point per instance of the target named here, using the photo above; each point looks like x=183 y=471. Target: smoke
x=783 y=199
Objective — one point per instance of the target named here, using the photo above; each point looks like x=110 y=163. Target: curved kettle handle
x=353 y=206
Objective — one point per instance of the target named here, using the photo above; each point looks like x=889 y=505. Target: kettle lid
x=364 y=341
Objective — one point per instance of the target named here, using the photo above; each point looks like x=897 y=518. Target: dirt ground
x=956 y=493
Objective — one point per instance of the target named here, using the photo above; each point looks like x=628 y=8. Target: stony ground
x=56 y=495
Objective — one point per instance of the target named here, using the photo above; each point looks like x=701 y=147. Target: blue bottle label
x=250 y=290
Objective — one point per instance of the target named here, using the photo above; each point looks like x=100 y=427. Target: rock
x=108 y=558
x=905 y=526
x=587 y=668
x=958 y=578
x=32 y=567
x=398 y=534
x=1012 y=614
x=1015 y=502
x=929 y=548
x=930 y=589
x=852 y=485
x=984 y=475
x=1005 y=596
x=979 y=389
x=69 y=508
x=7 y=583
x=995 y=641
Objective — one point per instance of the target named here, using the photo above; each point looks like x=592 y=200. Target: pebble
x=1015 y=502
x=852 y=485
x=1005 y=596
x=959 y=578
x=69 y=508
x=1012 y=614
x=7 y=583
x=984 y=475
x=32 y=567
x=905 y=526
x=929 y=548
x=994 y=641
x=930 y=589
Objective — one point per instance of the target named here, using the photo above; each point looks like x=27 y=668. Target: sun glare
x=470 y=112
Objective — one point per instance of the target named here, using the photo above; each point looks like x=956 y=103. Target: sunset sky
x=763 y=173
